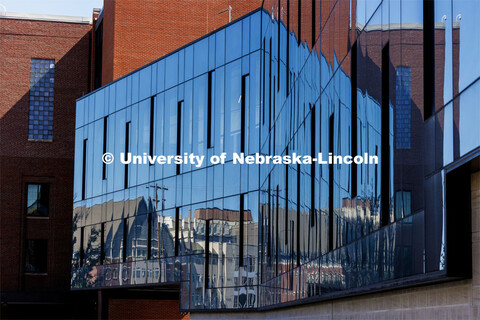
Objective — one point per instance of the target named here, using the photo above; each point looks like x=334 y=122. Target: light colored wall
x=451 y=300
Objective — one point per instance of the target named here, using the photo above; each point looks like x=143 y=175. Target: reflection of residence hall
x=389 y=78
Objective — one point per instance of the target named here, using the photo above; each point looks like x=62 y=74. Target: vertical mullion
x=385 y=138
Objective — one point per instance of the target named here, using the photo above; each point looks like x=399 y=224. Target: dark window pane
x=37 y=200
x=36 y=256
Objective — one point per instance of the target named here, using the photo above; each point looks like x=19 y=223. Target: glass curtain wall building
x=396 y=79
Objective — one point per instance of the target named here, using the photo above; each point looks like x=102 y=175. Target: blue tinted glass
x=42 y=81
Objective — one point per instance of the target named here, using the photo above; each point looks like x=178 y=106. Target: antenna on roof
x=4 y=9
x=229 y=13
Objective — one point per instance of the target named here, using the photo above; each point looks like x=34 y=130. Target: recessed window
x=40 y=115
x=403 y=115
x=403 y=204
x=37 y=200
x=36 y=256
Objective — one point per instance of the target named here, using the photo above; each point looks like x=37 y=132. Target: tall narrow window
x=403 y=108
x=82 y=245
x=385 y=137
x=428 y=58
x=210 y=113
x=179 y=131
x=287 y=62
x=84 y=168
x=353 y=132
x=38 y=200
x=149 y=235
x=127 y=150
x=177 y=230
x=241 y=230
x=207 y=253
x=277 y=233
x=105 y=128
x=286 y=201
x=152 y=126
x=245 y=96
x=36 y=256
x=264 y=80
x=102 y=243
x=280 y=11
x=40 y=116
x=330 y=184
x=125 y=237
x=270 y=88
x=269 y=219
x=298 y=215
x=312 y=168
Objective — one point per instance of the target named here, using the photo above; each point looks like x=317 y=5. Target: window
x=403 y=204
x=40 y=116
x=105 y=130
x=36 y=256
x=37 y=200
x=385 y=137
x=403 y=114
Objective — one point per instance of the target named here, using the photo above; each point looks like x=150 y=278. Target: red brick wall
x=136 y=34
x=23 y=161
x=145 y=309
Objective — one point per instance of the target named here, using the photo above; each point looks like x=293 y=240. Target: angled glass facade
x=349 y=80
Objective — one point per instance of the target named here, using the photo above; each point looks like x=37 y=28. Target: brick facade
x=23 y=161
x=145 y=309
x=135 y=34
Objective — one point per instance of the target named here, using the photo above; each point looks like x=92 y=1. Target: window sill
x=36 y=273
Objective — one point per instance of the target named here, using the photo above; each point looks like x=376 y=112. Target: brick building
x=133 y=35
x=44 y=69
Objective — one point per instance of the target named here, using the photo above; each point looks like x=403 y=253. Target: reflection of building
x=263 y=236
